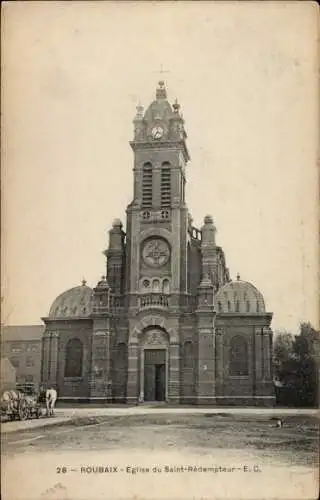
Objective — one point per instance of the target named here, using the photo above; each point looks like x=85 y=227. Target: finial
x=83 y=282
x=176 y=106
x=208 y=219
x=103 y=278
x=161 y=92
x=238 y=277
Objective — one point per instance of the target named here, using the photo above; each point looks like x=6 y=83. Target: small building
x=21 y=345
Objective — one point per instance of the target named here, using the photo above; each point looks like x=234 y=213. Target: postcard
x=160 y=253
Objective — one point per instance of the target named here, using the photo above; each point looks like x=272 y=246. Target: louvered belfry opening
x=165 y=185
x=147 y=185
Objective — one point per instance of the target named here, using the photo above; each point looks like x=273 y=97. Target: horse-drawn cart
x=18 y=406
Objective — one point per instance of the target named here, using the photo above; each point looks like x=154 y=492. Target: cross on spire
x=161 y=71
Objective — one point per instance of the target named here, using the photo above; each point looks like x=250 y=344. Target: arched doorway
x=154 y=365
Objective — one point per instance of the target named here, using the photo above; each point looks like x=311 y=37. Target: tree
x=306 y=348
x=296 y=362
x=282 y=354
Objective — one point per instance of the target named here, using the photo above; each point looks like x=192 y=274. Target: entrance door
x=160 y=382
x=154 y=374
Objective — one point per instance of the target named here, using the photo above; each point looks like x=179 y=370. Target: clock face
x=157 y=132
x=156 y=252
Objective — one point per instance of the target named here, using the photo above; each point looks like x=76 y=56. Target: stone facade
x=166 y=323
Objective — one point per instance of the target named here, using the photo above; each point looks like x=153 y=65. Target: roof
x=22 y=333
x=240 y=297
x=73 y=303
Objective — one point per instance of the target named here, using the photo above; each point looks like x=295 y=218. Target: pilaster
x=174 y=373
x=133 y=373
x=50 y=350
x=54 y=354
x=100 y=379
x=219 y=361
x=258 y=360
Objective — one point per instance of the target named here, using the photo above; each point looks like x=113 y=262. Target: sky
x=245 y=75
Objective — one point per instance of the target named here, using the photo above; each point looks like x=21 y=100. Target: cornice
x=178 y=145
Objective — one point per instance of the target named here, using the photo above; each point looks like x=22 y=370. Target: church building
x=166 y=323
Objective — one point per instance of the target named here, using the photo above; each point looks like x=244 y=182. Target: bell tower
x=156 y=238
x=158 y=208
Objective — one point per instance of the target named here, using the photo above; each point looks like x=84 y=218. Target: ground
x=157 y=453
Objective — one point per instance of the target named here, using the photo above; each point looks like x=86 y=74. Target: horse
x=11 y=404
x=51 y=397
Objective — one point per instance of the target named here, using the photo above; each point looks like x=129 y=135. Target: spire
x=161 y=92
x=176 y=106
x=238 y=277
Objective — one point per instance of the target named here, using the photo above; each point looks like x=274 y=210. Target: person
x=42 y=394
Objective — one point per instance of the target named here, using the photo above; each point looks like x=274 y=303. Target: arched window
x=147 y=185
x=237 y=306
x=238 y=357
x=219 y=306
x=258 y=306
x=74 y=358
x=165 y=286
x=229 y=305
x=165 y=185
x=156 y=286
x=248 y=306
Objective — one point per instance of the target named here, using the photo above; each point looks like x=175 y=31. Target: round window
x=146 y=283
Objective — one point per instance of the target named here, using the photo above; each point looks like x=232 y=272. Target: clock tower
x=157 y=224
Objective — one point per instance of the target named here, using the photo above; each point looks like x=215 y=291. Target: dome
x=76 y=302
x=160 y=107
x=103 y=283
x=239 y=297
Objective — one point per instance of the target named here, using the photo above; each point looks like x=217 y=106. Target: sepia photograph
x=160 y=326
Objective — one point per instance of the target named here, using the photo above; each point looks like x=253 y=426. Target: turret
x=208 y=248
x=115 y=257
x=101 y=297
x=205 y=295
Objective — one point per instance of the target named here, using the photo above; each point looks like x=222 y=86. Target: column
x=259 y=361
x=206 y=367
x=174 y=373
x=133 y=373
x=175 y=250
x=267 y=357
x=54 y=354
x=141 y=390
x=269 y=391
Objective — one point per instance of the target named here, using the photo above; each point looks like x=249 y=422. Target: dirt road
x=163 y=456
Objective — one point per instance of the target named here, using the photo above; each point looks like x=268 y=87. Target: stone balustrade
x=159 y=300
